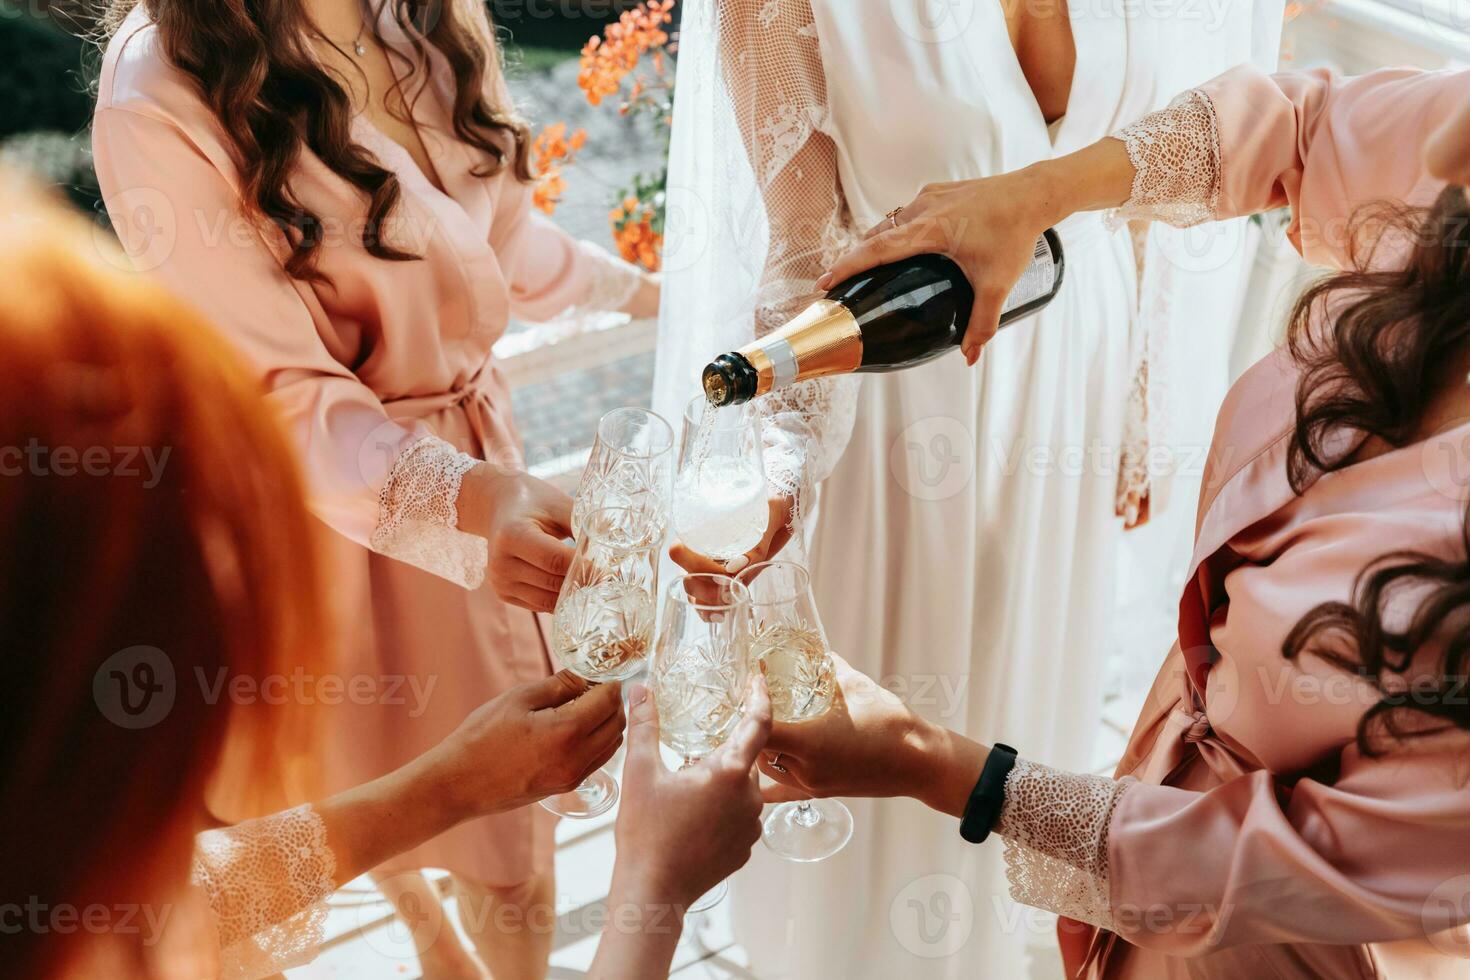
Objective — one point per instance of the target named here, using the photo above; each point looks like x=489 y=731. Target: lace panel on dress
x=1176 y=160
x=1055 y=826
x=773 y=72
x=418 y=517
x=267 y=882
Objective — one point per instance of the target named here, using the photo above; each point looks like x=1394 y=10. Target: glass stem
x=806 y=815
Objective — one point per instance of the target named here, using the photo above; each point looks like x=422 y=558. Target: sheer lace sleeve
x=418 y=517
x=611 y=281
x=773 y=71
x=267 y=882
x=1055 y=826
x=1176 y=160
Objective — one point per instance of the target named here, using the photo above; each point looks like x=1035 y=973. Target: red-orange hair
x=202 y=558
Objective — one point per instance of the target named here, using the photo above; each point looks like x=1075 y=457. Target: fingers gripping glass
x=700 y=672
x=789 y=646
x=602 y=628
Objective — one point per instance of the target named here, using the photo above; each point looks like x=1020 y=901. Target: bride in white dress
x=962 y=524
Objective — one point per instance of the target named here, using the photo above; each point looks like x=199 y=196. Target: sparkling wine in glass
x=700 y=672
x=720 y=493
x=602 y=628
x=631 y=465
x=789 y=646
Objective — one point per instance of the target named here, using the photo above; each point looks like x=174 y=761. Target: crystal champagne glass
x=789 y=646
x=720 y=495
x=700 y=672
x=602 y=628
x=631 y=465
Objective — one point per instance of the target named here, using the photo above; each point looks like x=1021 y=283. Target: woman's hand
x=534 y=741
x=526 y=522
x=681 y=833
x=531 y=742
x=989 y=226
x=678 y=835
x=644 y=302
x=778 y=532
x=870 y=744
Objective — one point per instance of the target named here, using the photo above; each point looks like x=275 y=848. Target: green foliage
x=42 y=75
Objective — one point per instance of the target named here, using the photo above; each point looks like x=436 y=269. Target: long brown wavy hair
x=1376 y=346
x=254 y=65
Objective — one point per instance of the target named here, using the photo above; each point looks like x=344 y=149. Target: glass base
x=812 y=830
x=709 y=899
x=594 y=797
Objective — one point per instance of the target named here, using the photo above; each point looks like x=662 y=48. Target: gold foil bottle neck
x=822 y=340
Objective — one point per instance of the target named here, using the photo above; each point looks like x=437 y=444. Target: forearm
x=369 y=824
x=642 y=932
x=948 y=765
x=1094 y=178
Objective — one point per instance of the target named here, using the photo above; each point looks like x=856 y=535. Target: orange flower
x=634 y=234
x=608 y=59
x=550 y=151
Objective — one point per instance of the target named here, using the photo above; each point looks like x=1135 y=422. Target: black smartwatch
x=988 y=796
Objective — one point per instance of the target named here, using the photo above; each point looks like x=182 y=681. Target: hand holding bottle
x=989 y=226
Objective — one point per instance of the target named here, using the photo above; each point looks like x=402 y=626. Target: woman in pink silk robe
x=1247 y=834
x=384 y=376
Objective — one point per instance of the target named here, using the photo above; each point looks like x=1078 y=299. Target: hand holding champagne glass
x=701 y=670
x=789 y=646
x=603 y=625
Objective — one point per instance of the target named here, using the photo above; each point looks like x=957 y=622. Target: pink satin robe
x=360 y=370
x=1260 y=842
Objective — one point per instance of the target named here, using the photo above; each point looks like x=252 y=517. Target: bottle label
x=1036 y=281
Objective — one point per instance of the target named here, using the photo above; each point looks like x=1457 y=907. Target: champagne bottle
x=885 y=319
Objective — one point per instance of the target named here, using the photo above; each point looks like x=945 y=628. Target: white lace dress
x=963 y=528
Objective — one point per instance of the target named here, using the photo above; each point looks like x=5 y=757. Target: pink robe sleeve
x=388 y=486
x=551 y=273
x=1380 y=854
x=1321 y=144
x=1360 y=860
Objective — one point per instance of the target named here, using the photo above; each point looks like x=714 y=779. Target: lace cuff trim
x=1134 y=479
x=418 y=518
x=613 y=281
x=1176 y=160
x=1055 y=826
x=267 y=882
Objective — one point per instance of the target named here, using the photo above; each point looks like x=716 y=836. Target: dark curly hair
x=1375 y=347
x=253 y=63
